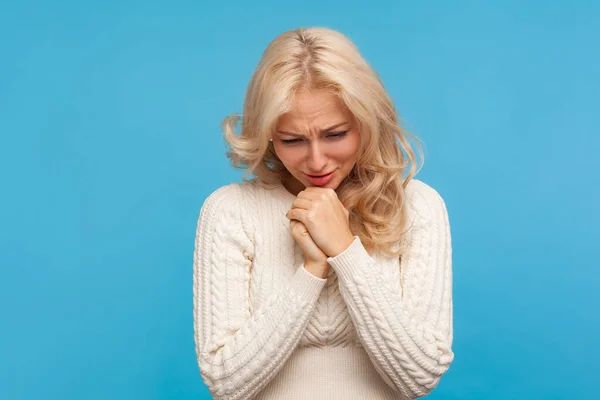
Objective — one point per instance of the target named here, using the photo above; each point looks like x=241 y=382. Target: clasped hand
x=325 y=218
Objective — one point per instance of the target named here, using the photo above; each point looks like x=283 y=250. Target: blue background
x=110 y=142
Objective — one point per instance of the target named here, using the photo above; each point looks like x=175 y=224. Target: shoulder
x=223 y=196
x=231 y=195
x=232 y=205
x=222 y=218
x=424 y=199
x=230 y=199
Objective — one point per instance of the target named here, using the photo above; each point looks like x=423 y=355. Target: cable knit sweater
x=265 y=328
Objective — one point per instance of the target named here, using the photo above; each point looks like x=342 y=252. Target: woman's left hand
x=325 y=218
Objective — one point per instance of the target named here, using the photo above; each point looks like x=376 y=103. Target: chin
x=329 y=185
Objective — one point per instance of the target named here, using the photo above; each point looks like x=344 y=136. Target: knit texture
x=377 y=327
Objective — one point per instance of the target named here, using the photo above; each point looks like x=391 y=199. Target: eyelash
x=335 y=135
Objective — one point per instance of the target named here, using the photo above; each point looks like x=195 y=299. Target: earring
x=270 y=140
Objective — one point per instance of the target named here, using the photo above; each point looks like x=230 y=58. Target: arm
x=239 y=350
x=406 y=329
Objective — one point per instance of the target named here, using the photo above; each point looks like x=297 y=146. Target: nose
x=317 y=158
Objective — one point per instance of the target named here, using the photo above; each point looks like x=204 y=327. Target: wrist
x=343 y=246
x=318 y=269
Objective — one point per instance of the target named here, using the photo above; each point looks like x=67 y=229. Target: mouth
x=320 y=176
x=321 y=180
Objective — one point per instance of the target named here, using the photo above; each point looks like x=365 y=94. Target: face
x=317 y=137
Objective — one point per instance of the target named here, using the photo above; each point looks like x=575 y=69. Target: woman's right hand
x=315 y=260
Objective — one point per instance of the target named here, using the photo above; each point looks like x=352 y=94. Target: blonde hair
x=322 y=58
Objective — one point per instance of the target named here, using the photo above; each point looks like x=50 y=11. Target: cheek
x=346 y=152
x=288 y=157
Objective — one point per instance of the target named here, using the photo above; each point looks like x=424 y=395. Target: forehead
x=314 y=107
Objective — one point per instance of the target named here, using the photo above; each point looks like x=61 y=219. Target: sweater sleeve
x=406 y=328
x=240 y=349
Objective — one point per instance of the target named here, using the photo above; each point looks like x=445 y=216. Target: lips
x=319 y=176
x=320 y=180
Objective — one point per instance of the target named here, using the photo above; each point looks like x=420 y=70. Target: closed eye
x=333 y=135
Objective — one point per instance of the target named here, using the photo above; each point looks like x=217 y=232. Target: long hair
x=322 y=58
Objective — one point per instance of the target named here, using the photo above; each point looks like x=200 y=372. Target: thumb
x=298 y=229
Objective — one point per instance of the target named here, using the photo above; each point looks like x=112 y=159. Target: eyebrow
x=322 y=131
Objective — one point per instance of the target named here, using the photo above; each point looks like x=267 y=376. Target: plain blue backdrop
x=110 y=142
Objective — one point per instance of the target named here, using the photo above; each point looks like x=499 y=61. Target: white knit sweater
x=265 y=328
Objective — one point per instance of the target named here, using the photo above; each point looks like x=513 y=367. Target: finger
x=298 y=229
x=314 y=193
x=301 y=203
x=316 y=189
x=298 y=214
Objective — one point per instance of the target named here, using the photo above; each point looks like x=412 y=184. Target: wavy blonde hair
x=322 y=58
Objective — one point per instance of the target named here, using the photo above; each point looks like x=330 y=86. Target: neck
x=293 y=185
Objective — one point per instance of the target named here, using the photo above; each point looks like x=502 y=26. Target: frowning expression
x=319 y=136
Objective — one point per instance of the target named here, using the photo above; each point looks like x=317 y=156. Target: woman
x=327 y=275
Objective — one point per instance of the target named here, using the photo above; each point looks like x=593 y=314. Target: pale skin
x=325 y=139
